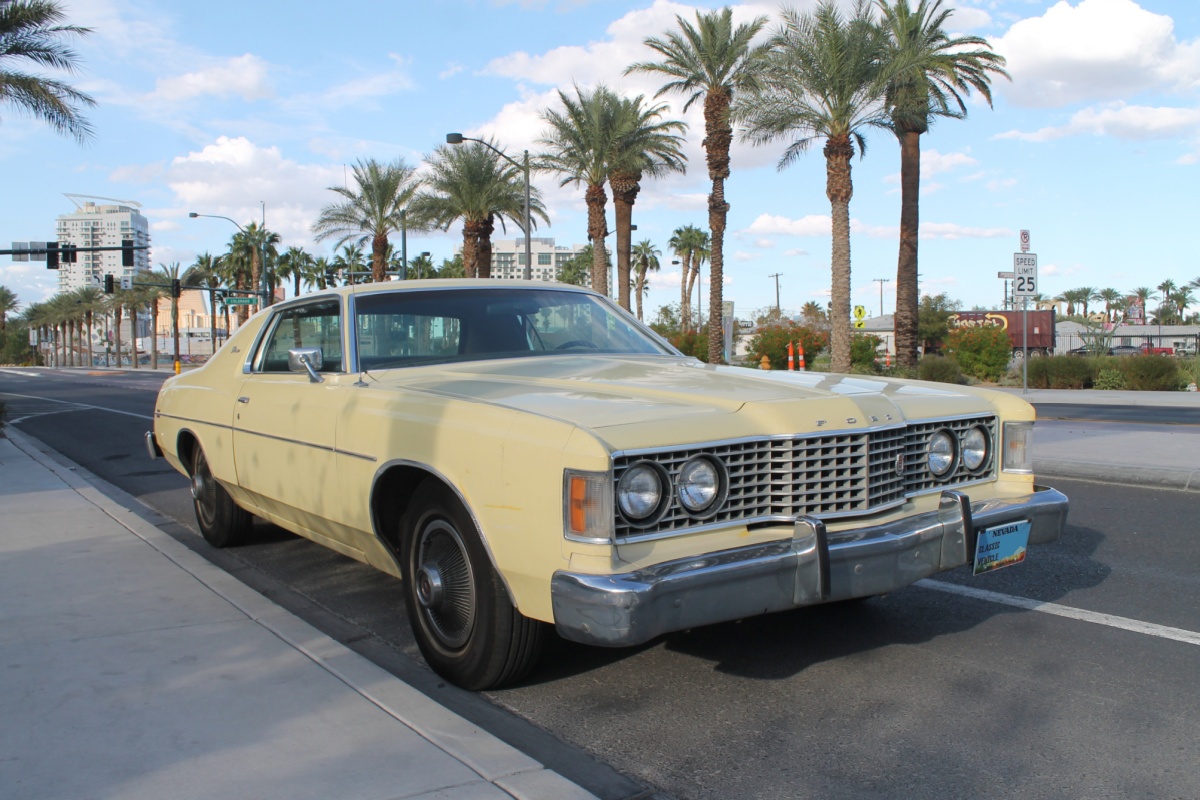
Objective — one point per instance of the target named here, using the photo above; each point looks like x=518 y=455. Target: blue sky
x=223 y=106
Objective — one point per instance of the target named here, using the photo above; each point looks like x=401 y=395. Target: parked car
x=1124 y=350
x=1090 y=350
x=522 y=455
x=1152 y=350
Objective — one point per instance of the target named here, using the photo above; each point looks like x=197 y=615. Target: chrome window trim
x=277 y=311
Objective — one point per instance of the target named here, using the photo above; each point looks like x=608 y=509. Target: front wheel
x=222 y=522
x=467 y=628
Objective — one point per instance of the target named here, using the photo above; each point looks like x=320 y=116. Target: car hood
x=663 y=400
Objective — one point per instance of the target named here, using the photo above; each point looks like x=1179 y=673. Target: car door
x=285 y=422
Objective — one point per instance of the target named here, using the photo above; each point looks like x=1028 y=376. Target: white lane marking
x=1124 y=623
x=18 y=372
x=77 y=406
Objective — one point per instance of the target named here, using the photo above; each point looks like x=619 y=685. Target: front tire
x=465 y=625
x=222 y=522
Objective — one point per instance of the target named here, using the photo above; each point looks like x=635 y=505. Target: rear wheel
x=467 y=628
x=221 y=521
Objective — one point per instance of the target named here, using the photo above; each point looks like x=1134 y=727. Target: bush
x=772 y=341
x=940 y=369
x=1061 y=372
x=863 y=350
x=1109 y=379
x=981 y=352
x=693 y=343
x=1153 y=374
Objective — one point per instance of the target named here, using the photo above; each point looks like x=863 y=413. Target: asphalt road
x=1074 y=677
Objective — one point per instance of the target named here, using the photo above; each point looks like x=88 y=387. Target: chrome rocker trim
x=152 y=448
x=814 y=566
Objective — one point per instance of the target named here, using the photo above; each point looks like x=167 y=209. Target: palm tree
x=255 y=244
x=645 y=259
x=1182 y=298
x=350 y=261
x=206 y=271
x=472 y=183
x=1084 y=296
x=826 y=78
x=938 y=72
x=711 y=60
x=1112 y=299
x=236 y=269
x=8 y=304
x=31 y=32
x=89 y=300
x=1167 y=287
x=646 y=147
x=151 y=296
x=580 y=141
x=323 y=272
x=295 y=263
x=376 y=210
x=691 y=244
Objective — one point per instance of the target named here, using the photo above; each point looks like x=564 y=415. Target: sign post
x=1025 y=281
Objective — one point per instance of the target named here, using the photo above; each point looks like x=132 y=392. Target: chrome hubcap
x=429 y=587
x=444 y=584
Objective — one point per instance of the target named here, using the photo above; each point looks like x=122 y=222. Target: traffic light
x=176 y=288
x=69 y=255
x=108 y=284
x=126 y=252
x=51 y=255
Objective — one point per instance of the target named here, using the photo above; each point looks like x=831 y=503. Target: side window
x=311 y=325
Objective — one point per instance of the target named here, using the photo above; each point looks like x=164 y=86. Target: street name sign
x=240 y=301
x=1025 y=277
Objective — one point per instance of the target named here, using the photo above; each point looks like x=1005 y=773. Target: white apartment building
x=508 y=258
x=93 y=225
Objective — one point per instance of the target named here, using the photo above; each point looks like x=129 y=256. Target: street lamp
x=458 y=138
x=262 y=281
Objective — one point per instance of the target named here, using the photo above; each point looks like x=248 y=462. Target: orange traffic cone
x=800 y=347
x=791 y=362
x=887 y=358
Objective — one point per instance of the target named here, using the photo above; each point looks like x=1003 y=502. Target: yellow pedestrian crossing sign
x=860 y=314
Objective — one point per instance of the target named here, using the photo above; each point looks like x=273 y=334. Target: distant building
x=93 y=225
x=508 y=258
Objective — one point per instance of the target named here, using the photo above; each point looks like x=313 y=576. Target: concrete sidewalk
x=1164 y=456
x=134 y=668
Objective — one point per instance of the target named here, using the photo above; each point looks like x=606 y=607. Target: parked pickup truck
x=1150 y=350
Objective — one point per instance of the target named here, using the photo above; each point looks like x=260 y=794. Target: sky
x=236 y=109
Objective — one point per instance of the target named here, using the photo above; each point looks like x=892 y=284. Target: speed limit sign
x=1025 y=278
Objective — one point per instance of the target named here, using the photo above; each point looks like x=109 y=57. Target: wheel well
x=185 y=447
x=390 y=498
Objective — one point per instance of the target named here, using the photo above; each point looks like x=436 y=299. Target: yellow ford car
x=523 y=455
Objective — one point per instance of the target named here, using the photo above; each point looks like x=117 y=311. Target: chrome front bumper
x=814 y=566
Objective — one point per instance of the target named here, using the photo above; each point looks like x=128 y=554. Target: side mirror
x=306 y=359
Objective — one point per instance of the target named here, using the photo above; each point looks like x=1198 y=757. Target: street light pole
x=458 y=138
x=262 y=250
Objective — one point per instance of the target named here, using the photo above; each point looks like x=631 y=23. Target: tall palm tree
x=471 y=183
x=8 y=304
x=255 y=245
x=349 y=261
x=826 y=77
x=151 y=296
x=711 y=60
x=1112 y=299
x=89 y=300
x=580 y=143
x=31 y=31
x=206 y=271
x=1086 y=296
x=295 y=263
x=1166 y=288
x=939 y=70
x=645 y=260
x=116 y=306
x=323 y=272
x=689 y=243
x=1182 y=298
x=373 y=211
x=647 y=146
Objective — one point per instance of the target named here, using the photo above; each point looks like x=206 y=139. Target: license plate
x=1001 y=546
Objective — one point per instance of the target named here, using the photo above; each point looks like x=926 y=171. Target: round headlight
x=975 y=448
x=941 y=454
x=698 y=485
x=640 y=491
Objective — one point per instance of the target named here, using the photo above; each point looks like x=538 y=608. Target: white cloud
x=1001 y=184
x=1118 y=120
x=232 y=175
x=764 y=243
x=371 y=85
x=950 y=230
x=1094 y=50
x=811 y=225
x=244 y=76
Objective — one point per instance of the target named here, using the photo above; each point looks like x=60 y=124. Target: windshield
x=408 y=328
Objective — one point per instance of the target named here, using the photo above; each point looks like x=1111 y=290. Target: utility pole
x=881 y=282
x=776 y=277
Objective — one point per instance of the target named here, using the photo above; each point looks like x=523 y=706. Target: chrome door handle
x=243 y=399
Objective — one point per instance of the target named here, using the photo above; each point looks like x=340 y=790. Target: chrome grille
x=830 y=475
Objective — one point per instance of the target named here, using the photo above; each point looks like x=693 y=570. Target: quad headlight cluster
x=947 y=449
x=646 y=489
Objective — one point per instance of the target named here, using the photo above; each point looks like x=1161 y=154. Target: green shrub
x=1110 y=379
x=772 y=341
x=981 y=352
x=1153 y=374
x=1061 y=372
x=863 y=350
x=693 y=343
x=897 y=371
x=940 y=369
